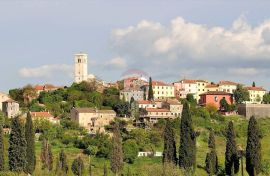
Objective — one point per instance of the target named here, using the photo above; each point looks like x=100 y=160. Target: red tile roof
x=216 y=93
x=41 y=114
x=255 y=88
x=159 y=83
x=211 y=86
x=157 y=110
x=146 y=102
x=188 y=81
x=228 y=83
x=39 y=87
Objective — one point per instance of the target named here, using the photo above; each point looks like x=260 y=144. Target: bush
x=131 y=150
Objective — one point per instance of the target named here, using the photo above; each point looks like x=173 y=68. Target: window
x=216 y=99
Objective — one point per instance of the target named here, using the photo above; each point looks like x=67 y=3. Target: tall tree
x=241 y=94
x=30 y=145
x=253 y=150
x=253 y=84
x=117 y=152
x=187 y=151
x=231 y=154
x=211 y=160
x=46 y=155
x=266 y=98
x=150 y=90
x=169 y=153
x=62 y=166
x=2 y=151
x=77 y=166
x=224 y=106
x=17 y=146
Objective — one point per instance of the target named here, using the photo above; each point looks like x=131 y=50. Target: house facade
x=93 y=120
x=227 y=86
x=3 y=97
x=256 y=94
x=154 y=114
x=44 y=115
x=128 y=94
x=11 y=108
x=146 y=104
x=162 y=90
x=215 y=97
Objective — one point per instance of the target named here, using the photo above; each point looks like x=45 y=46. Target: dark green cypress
x=30 y=143
x=77 y=166
x=187 y=151
x=231 y=154
x=117 y=152
x=62 y=166
x=169 y=153
x=253 y=150
x=2 y=151
x=17 y=146
x=150 y=90
x=46 y=155
x=211 y=161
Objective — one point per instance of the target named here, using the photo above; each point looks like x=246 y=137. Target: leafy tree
x=187 y=151
x=78 y=167
x=258 y=99
x=231 y=154
x=17 y=146
x=121 y=108
x=224 y=106
x=61 y=165
x=95 y=98
x=190 y=98
x=29 y=93
x=212 y=109
x=169 y=153
x=131 y=150
x=30 y=145
x=241 y=94
x=2 y=151
x=46 y=155
x=253 y=84
x=134 y=109
x=117 y=152
x=266 y=98
x=253 y=150
x=211 y=161
x=150 y=90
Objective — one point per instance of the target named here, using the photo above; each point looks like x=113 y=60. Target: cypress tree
x=253 y=84
x=17 y=146
x=2 y=157
x=231 y=154
x=117 y=152
x=211 y=160
x=253 y=149
x=187 y=150
x=150 y=90
x=30 y=143
x=77 y=166
x=46 y=156
x=105 y=171
x=62 y=166
x=169 y=153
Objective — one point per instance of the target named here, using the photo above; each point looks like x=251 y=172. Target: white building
x=81 y=68
x=11 y=108
x=128 y=94
x=162 y=90
x=227 y=86
x=256 y=94
x=3 y=97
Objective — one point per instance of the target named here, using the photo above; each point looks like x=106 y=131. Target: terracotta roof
x=188 y=81
x=228 y=83
x=200 y=80
x=157 y=110
x=159 y=83
x=41 y=114
x=216 y=93
x=146 y=102
x=39 y=87
x=255 y=88
x=211 y=86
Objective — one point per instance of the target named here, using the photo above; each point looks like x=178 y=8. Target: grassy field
x=153 y=166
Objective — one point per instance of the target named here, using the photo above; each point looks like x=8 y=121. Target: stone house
x=11 y=108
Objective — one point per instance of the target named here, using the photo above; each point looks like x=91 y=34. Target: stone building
x=11 y=108
x=81 y=68
x=128 y=94
x=93 y=120
x=257 y=110
x=3 y=97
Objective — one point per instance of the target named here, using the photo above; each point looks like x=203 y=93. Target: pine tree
x=117 y=152
x=30 y=143
x=17 y=146
x=150 y=90
x=187 y=151
x=211 y=160
x=46 y=156
x=62 y=166
x=253 y=150
x=231 y=155
x=105 y=171
x=2 y=157
x=77 y=166
x=169 y=153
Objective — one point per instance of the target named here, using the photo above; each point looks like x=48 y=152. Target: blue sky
x=201 y=39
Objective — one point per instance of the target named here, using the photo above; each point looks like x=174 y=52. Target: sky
x=170 y=40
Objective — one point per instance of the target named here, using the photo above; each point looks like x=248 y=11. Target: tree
x=2 y=151
x=191 y=99
x=46 y=155
x=17 y=146
x=62 y=166
x=211 y=160
x=266 y=98
x=30 y=145
x=131 y=150
x=241 y=94
x=134 y=109
x=231 y=154
x=187 y=151
x=117 y=153
x=253 y=149
x=105 y=171
x=224 y=106
x=253 y=84
x=150 y=90
x=258 y=99
x=169 y=153
x=77 y=166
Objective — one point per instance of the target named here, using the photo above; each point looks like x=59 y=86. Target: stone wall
x=258 y=110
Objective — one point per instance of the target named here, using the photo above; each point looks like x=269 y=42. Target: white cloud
x=116 y=63
x=46 y=71
x=243 y=71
